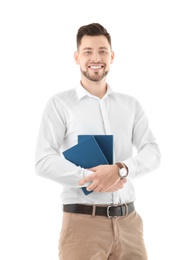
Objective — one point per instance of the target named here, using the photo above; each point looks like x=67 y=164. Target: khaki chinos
x=86 y=237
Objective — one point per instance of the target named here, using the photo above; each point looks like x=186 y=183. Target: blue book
x=105 y=142
x=86 y=154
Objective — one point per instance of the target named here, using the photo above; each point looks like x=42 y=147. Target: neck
x=97 y=89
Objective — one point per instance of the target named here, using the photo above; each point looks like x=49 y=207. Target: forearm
x=147 y=160
x=58 y=169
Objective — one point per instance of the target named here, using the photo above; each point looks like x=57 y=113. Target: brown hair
x=92 y=29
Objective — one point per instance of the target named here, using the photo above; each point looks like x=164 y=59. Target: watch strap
x=120 y=165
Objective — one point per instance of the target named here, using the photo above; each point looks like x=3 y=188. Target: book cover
x=105 y=142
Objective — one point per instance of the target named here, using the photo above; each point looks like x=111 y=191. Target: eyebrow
x=100 y=48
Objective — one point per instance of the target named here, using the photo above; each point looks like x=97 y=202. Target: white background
x=153 y=43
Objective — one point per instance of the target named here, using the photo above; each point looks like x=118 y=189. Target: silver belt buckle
x=108 y=211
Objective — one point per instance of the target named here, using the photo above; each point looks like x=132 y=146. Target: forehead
x=94 y=42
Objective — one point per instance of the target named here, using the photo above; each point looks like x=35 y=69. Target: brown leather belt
x=110 y=211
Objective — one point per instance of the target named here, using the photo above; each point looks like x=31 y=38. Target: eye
x=103 y=52
x=87 y=52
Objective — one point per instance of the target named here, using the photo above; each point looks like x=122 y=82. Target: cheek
x=83 y=63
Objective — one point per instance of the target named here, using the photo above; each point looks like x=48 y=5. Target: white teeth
x=95 y=67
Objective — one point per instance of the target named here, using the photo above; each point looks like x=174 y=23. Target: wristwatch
x=123 y=171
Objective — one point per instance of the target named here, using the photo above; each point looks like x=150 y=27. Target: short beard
x=93 y=78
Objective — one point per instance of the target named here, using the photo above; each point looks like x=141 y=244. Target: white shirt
x=75 y=112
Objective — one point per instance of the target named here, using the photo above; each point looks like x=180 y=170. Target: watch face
x=123 y=172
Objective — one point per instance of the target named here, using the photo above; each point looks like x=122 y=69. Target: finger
x=85 y=180
x=92 y=169
x=124 y=180
x=112 y=189
x=117 y=186
x=92 y=186
x=97 y=189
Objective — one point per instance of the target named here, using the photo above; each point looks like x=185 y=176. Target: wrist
x=122 y=170
x=126 y=168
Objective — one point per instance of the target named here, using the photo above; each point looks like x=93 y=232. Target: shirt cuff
x=131 y=167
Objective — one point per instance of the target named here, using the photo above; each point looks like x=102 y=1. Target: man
x=103 y=224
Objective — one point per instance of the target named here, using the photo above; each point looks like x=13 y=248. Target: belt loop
x=126 y=210
x=93 y=211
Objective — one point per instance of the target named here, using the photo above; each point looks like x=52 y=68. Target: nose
x=96 y=57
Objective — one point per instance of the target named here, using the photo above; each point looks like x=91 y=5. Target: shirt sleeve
x=49 y=162
x=148 y=154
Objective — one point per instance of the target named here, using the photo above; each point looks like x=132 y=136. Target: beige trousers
x=84 y=237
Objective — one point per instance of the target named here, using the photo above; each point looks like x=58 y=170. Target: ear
x=76 y=57
x=112 y=56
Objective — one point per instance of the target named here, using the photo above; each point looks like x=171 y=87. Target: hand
x=104 y=178
x=119 y=185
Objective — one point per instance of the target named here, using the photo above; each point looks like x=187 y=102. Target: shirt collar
x=82 y=92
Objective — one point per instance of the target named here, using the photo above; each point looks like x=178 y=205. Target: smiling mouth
x=96 y=67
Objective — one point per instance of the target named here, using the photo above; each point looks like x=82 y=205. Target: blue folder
x=91 y=150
